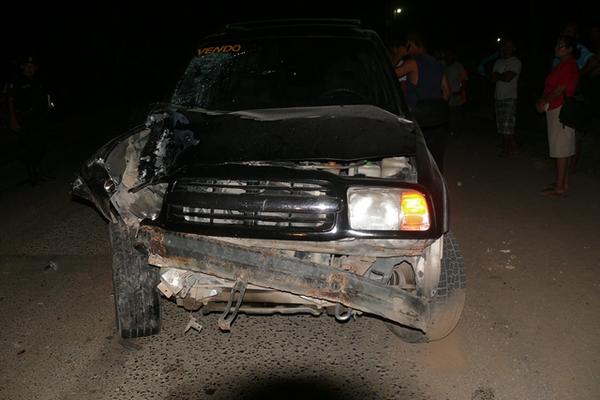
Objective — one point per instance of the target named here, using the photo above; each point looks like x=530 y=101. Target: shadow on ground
x=285 y=388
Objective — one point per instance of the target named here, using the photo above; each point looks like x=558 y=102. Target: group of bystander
x=426 y=81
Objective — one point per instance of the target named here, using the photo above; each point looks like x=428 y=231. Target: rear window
x=286 y=72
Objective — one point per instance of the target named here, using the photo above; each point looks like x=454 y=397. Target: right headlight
x=381 y=209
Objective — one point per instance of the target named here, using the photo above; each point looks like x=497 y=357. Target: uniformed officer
x=28 y=106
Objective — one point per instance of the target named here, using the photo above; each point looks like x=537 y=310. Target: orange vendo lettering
x=219 y=49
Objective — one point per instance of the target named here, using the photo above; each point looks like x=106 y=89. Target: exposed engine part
x=283 y=310
x=270 y=269
x=343 y=317
x=192 y=285
x=390 y=167
x=228 y=316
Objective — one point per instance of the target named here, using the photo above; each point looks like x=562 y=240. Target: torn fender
x=124 y=178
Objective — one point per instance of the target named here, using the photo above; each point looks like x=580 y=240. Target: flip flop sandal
x=548 y=188
x=554 y=193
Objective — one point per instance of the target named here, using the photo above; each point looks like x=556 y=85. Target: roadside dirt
x=530 y=327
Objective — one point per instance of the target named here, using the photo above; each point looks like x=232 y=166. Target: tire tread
x=137 y=301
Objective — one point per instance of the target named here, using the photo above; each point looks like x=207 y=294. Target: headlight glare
x=374 y=209
x=383 y=209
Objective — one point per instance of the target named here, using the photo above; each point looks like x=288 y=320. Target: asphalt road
x=530 y=328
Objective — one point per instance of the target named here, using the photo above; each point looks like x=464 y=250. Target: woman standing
x=560 y=83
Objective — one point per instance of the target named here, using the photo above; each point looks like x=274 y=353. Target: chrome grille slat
x=254 y=204
x=186 y=187
x=266 y=216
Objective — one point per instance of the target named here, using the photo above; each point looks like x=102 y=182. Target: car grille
x=251 y=204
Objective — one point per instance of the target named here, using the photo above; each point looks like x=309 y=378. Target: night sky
x=97 y=52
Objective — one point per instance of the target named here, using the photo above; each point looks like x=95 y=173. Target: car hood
x=308 y=133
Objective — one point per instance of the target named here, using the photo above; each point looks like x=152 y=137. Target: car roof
x=295 y=22
x=320 y=27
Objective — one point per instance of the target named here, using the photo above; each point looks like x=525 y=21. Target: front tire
x=448 y=303
x=137 y=300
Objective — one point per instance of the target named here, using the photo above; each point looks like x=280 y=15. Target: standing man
x=427 y=94
x=399 y=55
x=505 y=74
x=584 y=54
x=28 y=106
x=457 y=79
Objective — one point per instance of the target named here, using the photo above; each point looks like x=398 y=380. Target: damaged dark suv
x=284 y=176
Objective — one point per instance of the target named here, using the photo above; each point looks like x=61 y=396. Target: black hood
x=307 y=133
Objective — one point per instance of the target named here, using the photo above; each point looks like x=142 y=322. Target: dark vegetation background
x=99 y=56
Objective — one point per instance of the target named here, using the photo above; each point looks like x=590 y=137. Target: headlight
x=381 y=209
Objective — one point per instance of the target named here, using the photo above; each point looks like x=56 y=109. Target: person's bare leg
x=561 y=183
x=562 y=165
x=575 y=157
x=570 y=161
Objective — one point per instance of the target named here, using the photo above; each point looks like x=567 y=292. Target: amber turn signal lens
x=414 y=212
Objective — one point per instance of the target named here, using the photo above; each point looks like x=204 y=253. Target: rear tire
x=137 y=300
x=448 y=303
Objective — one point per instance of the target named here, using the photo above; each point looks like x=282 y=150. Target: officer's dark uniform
x=30 y=103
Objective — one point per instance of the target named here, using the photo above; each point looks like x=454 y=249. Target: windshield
x=286 y=72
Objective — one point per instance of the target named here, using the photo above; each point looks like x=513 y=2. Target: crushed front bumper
x=270 y=268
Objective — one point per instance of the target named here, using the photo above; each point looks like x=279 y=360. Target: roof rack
x=293 y=21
